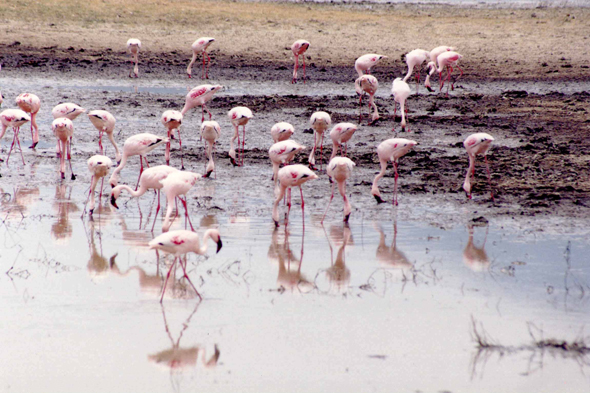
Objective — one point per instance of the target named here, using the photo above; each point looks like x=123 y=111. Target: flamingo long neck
x=410 y=69
x=205 y=245
x=4 y=128
x=112 y=139
x=140 y=191
x=93 y=184
x=189 y=69
x=375 y=187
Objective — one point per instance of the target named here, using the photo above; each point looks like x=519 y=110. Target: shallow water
x=311 y=308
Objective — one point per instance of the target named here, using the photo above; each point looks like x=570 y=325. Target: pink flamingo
x=367 y=84
x=180 y=243
x=282 y=153
x=105 y=123
x=14 y=118
x=414 y=59
x=340 y=169
x=401 y=91
x=133 y=46
x=99 y=166
x=449 y=60
x=390 y=150
x=172 y=121
x=63 y=129
x=363 y=64
x=174 y=185
x=432 y=63
x=199 y=96
x=341 y=134
x=320 y=121
x=67 y=109
x=150 y=179
x=299 y=47
x=290 y=176
x=239 y=116
x=136 y=145
x=31 y=104
x=475 y=144
x=200 y=46
x=210 y=132
x=281 y=131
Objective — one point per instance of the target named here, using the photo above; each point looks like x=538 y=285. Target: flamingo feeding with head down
x=298 y=48
x=367 y=84
x=281 y=131
x=99 y=166
x=449 y=60
x=239 y=116
x=199 y=96
x=414 y=59
x=31 y=104
x=475 y=144
x=174 y=185
x=339 y=169
x=432 y=63
x=210 y=132
x=180 y=243
x=67 y=109
x=63 y=129
x=341 y=134
x=200 y=46
x=105 y=123
x=288 y=177
x=282 y=153
x=320 y=121
x=172 y=120
x=363 y=64
x=14 y=118
x=136 y=145
x=401 y=91
x=390 y=150
x=133 y=46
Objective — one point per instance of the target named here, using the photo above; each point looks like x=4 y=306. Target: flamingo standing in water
x=180 y=243
x=290 y=176
x=14 y=118
x=320 y=121
x=31 y=104
x=105 y=123
x=341 y=134
x=282 y=153
x=172 y=121
x=432 y=63
x=414 y=59
x=199 y=96
x=63 y=129
x=133 y=46
x=68 y=110
x=210 y=132
x=475 y=144
x=137 y=145
x=174 y=185
x=281 y=131
x=401 y=91
x=99 y=166
x=299 y=47
x=449 y=60
x=390 y=150
x=367 y=84
x=363 y=64
x=239 y=116
x=200 y=46
x=340 y=169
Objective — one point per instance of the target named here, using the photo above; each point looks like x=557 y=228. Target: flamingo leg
x=19 y=147
x=181 y=153
x=203 y=72
x=489 y=178
x=70 y=157
x=100 y=142
x=12 y=145
x=167 y=153
x=243 y=142
x=303 y=68
x=360 y=108
x=395 y=184
x=302 y=206
x=167 y=277
x=157 y=211
x=332 y=197
x=183 y=265
x=294 y=80
x=321 y=151
x=207 y=70
x=140 y=172
x=186 y=213
x=288 y=207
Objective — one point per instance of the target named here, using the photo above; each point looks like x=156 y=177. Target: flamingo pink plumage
x=199 y=96
x=68 y=110
x=290 y=176
x=281 y=131
x=14 y=118
x=172 y=120
x=432 y=63
x=239 y=116
x=63 y=129
x=401 y=91
x=105 y=123
x=367 y=84
x=298 y=48
x=31 y=104
x=390 y=150
x=133 y=46
x=174 y=185
x=414 y=59
x=448 y=59
x=363 y=64
x=341 y=134
x=282 y=153
x=320 y=121
x=99 y=166
x=200 y=46
x=475 y=144
x=210 y=132
x=340 y=169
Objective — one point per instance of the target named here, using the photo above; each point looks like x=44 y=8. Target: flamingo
x=390 y=150
x=14 y=118
x=239 y=116
x=99 y=166
x=282 y=153
x=299 y=47
x=290 y=176
x=363 y=64
x=341 y=134
x=281 y=131
x=31 y=104
x=63 y=129
x=367 y=84
x=136 y=145
x=200 y=46
x=450 y=60
x=133 y=46
x=415 y=59
x=210 y=132
x=180 y=243
x=432 y=63
x=172 y=121
x=401 y=91
x=149 y=179
x=174 y=185
x=320 y=121
x=199 y=96
x=475 y=144
x=340 y=169
x=105 y=123
x=67 y=109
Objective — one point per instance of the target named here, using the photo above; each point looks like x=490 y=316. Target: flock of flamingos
x=176 y=183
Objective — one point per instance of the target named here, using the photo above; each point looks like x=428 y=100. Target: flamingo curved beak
x=114 y=201
x=219 y=245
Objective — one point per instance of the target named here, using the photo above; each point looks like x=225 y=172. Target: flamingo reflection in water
x=338 y=274
x=14 y=206
x=475 y=257
x=61 y=230
x=289 y=274
x=98 y=265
